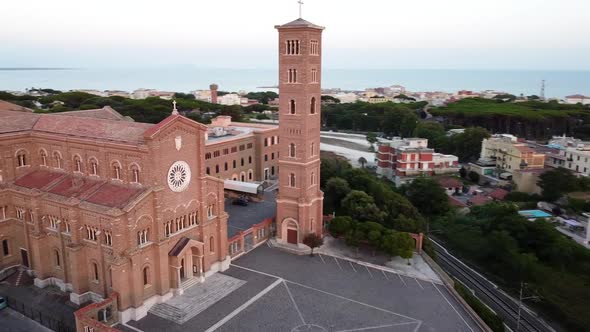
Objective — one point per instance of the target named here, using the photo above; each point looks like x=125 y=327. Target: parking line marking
x=452 y=306
x=402 y=279
x=244 y=306
x=385 y=275
x=378 y=327
x=322 y=258
x=349 y=262
x=338 y=264
x=294 y=303
x=371 y=274
x=419 y=284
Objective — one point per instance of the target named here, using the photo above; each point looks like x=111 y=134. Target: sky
x=417 y=34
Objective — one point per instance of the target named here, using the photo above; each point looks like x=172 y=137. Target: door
x=292 y=236
x=24 y=257
x=182 y=269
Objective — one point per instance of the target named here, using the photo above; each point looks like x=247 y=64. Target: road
x=505 y=306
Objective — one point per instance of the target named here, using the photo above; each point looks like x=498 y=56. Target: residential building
x=299 y=200
x=229 y=99
x=401 y=160
x=575 y=99
x=508 y=153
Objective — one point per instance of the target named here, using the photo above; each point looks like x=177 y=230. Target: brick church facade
x=94 y=203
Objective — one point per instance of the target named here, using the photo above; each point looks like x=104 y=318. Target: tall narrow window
x=208 y=171
x=292 y=47
x=225 y=166
x=211 y=244
x=116 y=171
x=22 y=158
x=57 y=159
x=77 y=164
x=43 y=158
x=314 y=48
x=5 y=248
x=93 y=167
x=242 y=162
x=292 y=150
x=312 y=106
x=135 y=173
x=312 y=148
x=312 y=178
x=291 y=106
x=292 y=180
x=314 y=75
x=95 y=270
x=216 y=169
x=146 y=273
x=56 y=254
x=292 y=76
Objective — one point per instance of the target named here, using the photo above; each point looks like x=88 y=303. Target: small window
x=291 y=106
x=207 y=155
x=216 y=169
x=95 y=270
x=57 y=159
x=292 y=76
x=22 y=158
x=313 y=105
x=292 y=47
x=234 y=164
x=208 y=171
x=292 y=180
x=93 y=167
x=265 y=157
x=242 y=162
x=292 y=150
x=314 y=48
x=5 y=248
x=212 y=244
x=43 y=158
x=77 y=164
x=116 y=168
x=57 y=260
x=249 y=159
x=225 y=166
x=314 y=75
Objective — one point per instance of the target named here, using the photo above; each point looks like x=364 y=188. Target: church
x=96 y=204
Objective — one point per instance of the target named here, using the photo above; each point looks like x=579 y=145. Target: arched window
x=57 y=159
x=292 y=180
x=5 y=248
x=146 y=276
x=313 y=102
x=249 y=159
x=291 y=106
x=93 y=166
x=135 y=173
x=95 y=271
x=243 y=177
x=56 y=255
x=212 y=244
x=21 y=156
x=272 y=170
x=292 y=150
x=77 y=164
x=43 y=156
x=250 y=175
x=208 y=170
x=116 y=171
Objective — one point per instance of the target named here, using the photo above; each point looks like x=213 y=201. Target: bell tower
x=300 y=200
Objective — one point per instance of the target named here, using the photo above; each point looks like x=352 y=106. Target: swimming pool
x=534 y=214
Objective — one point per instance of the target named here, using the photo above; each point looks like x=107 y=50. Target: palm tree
x=362 y=161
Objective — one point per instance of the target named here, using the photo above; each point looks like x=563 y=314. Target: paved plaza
x=286 y=292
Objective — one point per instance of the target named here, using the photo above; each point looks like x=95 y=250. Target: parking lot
x=285 y=292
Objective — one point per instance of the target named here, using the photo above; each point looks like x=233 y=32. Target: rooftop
x=299 y=23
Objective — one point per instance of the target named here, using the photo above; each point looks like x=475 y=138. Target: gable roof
x=106 y=113
x=154 y=130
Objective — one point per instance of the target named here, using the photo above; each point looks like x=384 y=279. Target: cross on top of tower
x=300 y=2
x=174 y=110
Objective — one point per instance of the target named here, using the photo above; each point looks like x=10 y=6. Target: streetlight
x=520 y=299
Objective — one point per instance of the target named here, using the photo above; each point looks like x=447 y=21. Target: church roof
x=106 y=113
x=299 y=23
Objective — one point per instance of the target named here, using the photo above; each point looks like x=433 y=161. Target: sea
x=558 y=83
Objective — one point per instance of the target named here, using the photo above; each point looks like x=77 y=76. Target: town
x=294 y=209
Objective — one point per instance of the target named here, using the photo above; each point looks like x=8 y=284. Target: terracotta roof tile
x=106 y=113
x=38 y=179
x=114 y=195
x=448 y=182
x=498 y=194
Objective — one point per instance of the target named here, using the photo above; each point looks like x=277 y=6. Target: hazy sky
x=519 y=34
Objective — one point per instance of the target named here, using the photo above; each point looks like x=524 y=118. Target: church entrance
x=292 y=236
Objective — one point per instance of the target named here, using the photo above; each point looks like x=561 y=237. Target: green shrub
x=340 y=225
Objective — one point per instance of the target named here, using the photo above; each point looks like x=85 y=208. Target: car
x=3 y=303
x=240 y=201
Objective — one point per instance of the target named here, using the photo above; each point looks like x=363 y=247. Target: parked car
x=240 y=201
x=3 y=303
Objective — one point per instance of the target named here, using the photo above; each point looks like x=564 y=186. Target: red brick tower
x=213 y=88
x=300 y=200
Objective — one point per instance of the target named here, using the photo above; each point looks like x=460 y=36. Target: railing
x=250 y=238
x=39 y=316
x=98 y=317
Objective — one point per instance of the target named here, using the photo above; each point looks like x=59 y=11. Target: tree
x=556 y=182
x=467 y=145
x=405 y=245
x=313 y=241
x=340 y=225
x=362 y=161
x=262 y=116
x=336 y=189
x=360 y=206
x=428 y=197
x=473 y=176
x=462 y=172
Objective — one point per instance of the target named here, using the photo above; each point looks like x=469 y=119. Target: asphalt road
x=505 y=306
